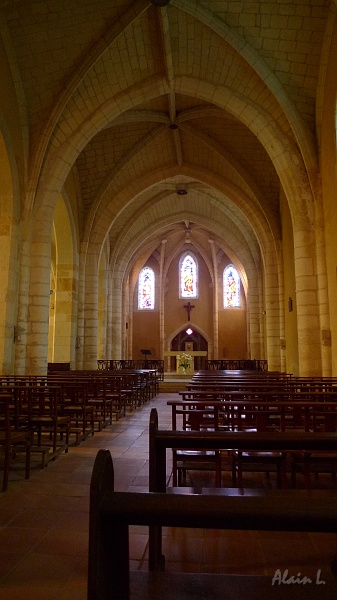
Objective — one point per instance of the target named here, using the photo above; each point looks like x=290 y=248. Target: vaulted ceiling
x=140 y=101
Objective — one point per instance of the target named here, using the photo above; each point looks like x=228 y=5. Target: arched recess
x=9 y=264
x=63 y=290
x=202 y=335
x=187 y=342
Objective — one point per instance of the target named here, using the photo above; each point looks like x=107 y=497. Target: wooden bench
x=161 y=440
x=111 y=513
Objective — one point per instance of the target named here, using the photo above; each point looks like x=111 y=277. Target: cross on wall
x=188 y=307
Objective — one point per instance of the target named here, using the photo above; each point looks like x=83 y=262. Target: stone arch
x=191 y=324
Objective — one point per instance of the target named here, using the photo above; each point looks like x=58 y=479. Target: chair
x=259 y=461
x=199 y=418
x=47 y=420
x=77 y=409
x=307 y=463
x=12 y=440
x=195 y=460
x=97 y=397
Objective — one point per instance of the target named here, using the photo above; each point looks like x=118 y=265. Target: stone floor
x=44 y=523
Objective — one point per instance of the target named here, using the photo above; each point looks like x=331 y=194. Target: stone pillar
x=162 y=300
x=23 y=300
x=309 y=343
x=116 y=316
x=322 y=292
x=272 y=317
x=9 y=264
x=126 y=314
x=38 y=307
x=253 y=317
x=90 y=345
x=282 y=340
x=63 y=308
x=215 y=353
x=79 y=343
x=108 y=317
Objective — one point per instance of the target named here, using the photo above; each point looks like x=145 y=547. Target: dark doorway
x=198 y=344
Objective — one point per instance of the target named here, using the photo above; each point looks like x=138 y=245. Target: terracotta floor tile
x=48 y=571
x=39 y=519
x=34 y=592
x=20 y=539
x=63 y=542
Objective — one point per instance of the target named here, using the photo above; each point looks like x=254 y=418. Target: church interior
x=134 y=133
x=168 y=188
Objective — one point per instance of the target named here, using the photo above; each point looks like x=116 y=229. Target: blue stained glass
x=231 y=287
x=146 y=289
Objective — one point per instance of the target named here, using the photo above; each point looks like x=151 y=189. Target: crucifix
x=189 y=307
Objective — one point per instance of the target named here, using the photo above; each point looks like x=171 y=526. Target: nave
x=44 y=522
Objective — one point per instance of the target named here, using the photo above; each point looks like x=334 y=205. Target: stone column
x=322 y=292
x=282 y=340
x=272 y=317
x=126 y=317
x=162 y=299
x=38 y=308
x=215 y=353
x=309 y=343
x=9 y=266
x=90 y=344
x=63 y=307
x=253 y=317
x=116 y=316
x=79 y=340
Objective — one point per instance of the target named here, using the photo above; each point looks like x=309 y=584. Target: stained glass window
x=188 y=277
x=231 y=287
x=146 y=289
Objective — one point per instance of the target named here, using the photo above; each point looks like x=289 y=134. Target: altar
x=185 y=357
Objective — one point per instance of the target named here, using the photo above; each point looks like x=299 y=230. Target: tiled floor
x=44 y=523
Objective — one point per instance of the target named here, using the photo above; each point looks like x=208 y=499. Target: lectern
x=146 y=353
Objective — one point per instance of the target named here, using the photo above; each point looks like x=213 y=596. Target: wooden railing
x=110 y=365
x=228 y=364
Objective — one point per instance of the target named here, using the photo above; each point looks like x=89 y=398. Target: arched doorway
x=188 y=339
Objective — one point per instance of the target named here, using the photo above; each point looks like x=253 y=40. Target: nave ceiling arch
x=195 y=93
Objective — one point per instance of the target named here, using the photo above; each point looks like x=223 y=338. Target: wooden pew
x=111 y=513
x=289 y=441
x=161 y=440
x=203 y=414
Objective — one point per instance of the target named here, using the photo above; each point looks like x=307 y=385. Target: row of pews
x=112 y=513
x=262 y=403
x=45 y=414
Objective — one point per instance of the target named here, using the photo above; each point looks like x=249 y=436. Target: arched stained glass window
x=231 y=287
x=188 y=270
x=146 y=289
